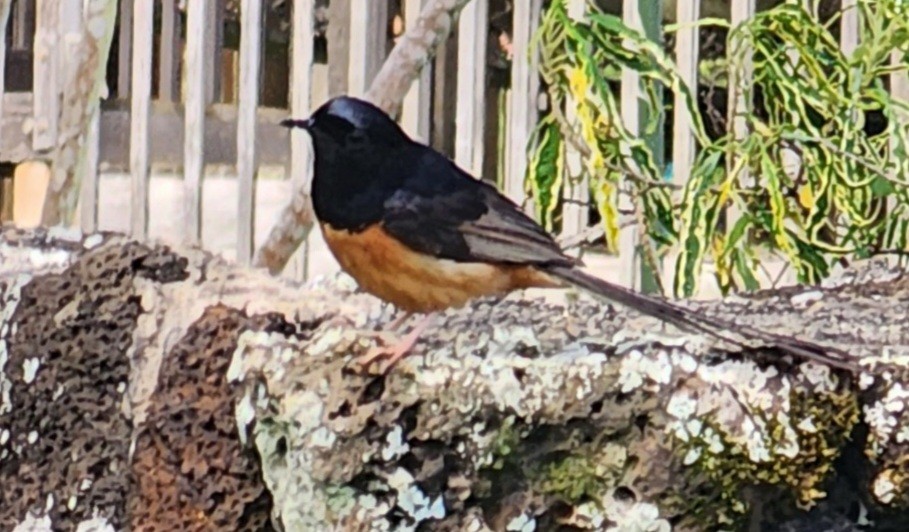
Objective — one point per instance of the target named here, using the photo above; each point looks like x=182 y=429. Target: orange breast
x=417 y=282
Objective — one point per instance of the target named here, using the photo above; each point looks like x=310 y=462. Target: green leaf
x=745 y=272
x=545 y=170
x=881 y=187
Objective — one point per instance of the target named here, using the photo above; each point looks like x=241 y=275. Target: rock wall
x=148 y=388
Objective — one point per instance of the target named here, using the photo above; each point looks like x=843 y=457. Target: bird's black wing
x=440 y=210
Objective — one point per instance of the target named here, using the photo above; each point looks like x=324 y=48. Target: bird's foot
x=390 y=353
x=393 y=352
x=396 y=323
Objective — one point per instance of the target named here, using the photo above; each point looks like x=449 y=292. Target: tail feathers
x=688 y=319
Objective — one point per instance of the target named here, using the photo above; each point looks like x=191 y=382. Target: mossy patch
x=585 y=474
x=797 y=451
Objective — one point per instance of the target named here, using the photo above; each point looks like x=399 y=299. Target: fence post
x=576 y=192
x=88 y=215
x=248 y=102
x=140 y=92
x=46 y=91
x=124 y=47
x=524 y=97
x=368 y=38
x=4 y=15
x=471 y=86
x=791 y=159
x=899 y=80
x=899 y=89
x=738 y=105
x=170 y=52
x=631 y=266
x=849 y=26
x=300 y=97
x=684 y=147
x=338 y=36
x=416 y=107
x=214 y=38
x=197 y=34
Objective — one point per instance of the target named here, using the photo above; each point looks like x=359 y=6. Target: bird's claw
x=391 y=352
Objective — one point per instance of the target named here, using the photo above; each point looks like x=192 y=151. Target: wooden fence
x=171 y=102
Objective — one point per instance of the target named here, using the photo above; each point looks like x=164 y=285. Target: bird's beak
x=302 y=124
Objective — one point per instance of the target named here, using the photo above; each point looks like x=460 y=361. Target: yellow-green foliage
x=815 y=100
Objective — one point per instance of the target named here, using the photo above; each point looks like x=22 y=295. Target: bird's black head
x=348 y=127
x=354 y=142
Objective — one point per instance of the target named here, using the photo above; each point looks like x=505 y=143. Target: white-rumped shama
x=414 y=229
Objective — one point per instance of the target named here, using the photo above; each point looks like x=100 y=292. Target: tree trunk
x=143 y=385
x=83 y=85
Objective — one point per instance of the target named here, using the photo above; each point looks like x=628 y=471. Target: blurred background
x=616 y=123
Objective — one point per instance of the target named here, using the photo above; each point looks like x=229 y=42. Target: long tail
x=688 y=319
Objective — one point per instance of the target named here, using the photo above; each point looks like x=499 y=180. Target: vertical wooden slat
x=576 y=192
x=739 y=106
x=849 y=27
x=4 y=15
x=899 y=89
x=849 y=39
x=140 y=91
x=300 y=100
x=444 y=72
x=849 y=33
x=630 y=95
x=338 y=35
x=471 y=100
x=194 y=117
x=89 y=193
x=525 y=87
x=790 y=158
x=248 y=102
x=46 y=103
x=416 y=108
x=741 y=10
x=124 y=48
x=684 y=147
x=686 y=58
x=368 y=38
x=631 y=80
x=169 y=59
x=899 y=80
x=214 y=39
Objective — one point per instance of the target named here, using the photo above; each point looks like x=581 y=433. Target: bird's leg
x=388 y=328
x=396 y=323
x=398 y=350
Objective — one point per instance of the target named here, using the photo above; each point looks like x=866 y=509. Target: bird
x=417 y=231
